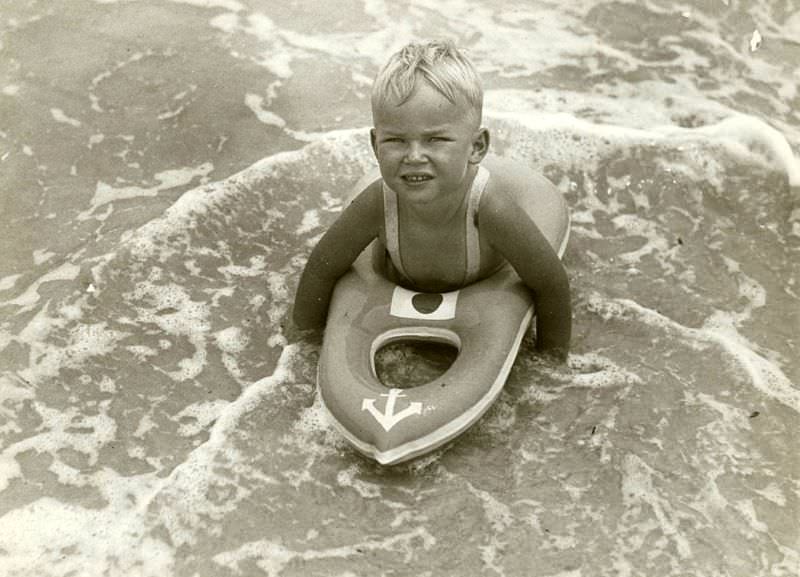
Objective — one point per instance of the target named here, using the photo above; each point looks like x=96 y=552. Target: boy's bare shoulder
x=514 y=186
x=514 y=176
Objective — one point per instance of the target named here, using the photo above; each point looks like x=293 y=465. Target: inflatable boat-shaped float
x=484 y=321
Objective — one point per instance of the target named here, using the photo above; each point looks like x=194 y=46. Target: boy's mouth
x=416 y=178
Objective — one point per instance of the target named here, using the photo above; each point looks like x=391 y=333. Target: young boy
x=428 y=140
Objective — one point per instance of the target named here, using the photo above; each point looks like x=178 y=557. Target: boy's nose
x=415 y=152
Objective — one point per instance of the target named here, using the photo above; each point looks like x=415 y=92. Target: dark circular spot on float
x=426 y=303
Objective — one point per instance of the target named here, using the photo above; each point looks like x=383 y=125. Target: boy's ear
x=480 y=145
x=373 y=139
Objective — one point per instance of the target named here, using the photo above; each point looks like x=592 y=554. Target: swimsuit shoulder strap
x=392 y=228
x=472 y=237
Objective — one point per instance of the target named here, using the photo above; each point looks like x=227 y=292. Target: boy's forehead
x=397 y=124
x=445 y=112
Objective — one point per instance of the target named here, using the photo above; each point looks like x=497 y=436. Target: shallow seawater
x=408 y=364
x=167 y=167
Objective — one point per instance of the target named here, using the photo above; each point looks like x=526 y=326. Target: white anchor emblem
x=389 y=418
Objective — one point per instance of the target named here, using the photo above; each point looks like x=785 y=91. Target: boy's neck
x=448 y=207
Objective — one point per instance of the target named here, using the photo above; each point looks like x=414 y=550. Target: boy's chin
x=420 y=197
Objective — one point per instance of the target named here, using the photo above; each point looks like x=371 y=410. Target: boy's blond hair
x=440 y=64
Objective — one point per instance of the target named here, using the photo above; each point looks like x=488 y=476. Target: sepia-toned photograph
x=399 y=288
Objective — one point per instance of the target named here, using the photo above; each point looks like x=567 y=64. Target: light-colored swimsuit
x=473 y=265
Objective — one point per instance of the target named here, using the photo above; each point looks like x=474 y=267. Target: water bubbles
x=755 y=41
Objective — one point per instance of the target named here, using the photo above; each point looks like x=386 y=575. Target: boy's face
x=425 y=145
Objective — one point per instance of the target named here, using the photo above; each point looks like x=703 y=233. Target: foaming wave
x=273 y=557
x=572 y=141
x=118 y=537
x=108 y=540
x=186 y=491
x=745 y=137
x=638 y=488
x=719 y=330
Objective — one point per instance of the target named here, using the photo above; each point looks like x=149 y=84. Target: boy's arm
x=341 y=244
x=512 y=233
